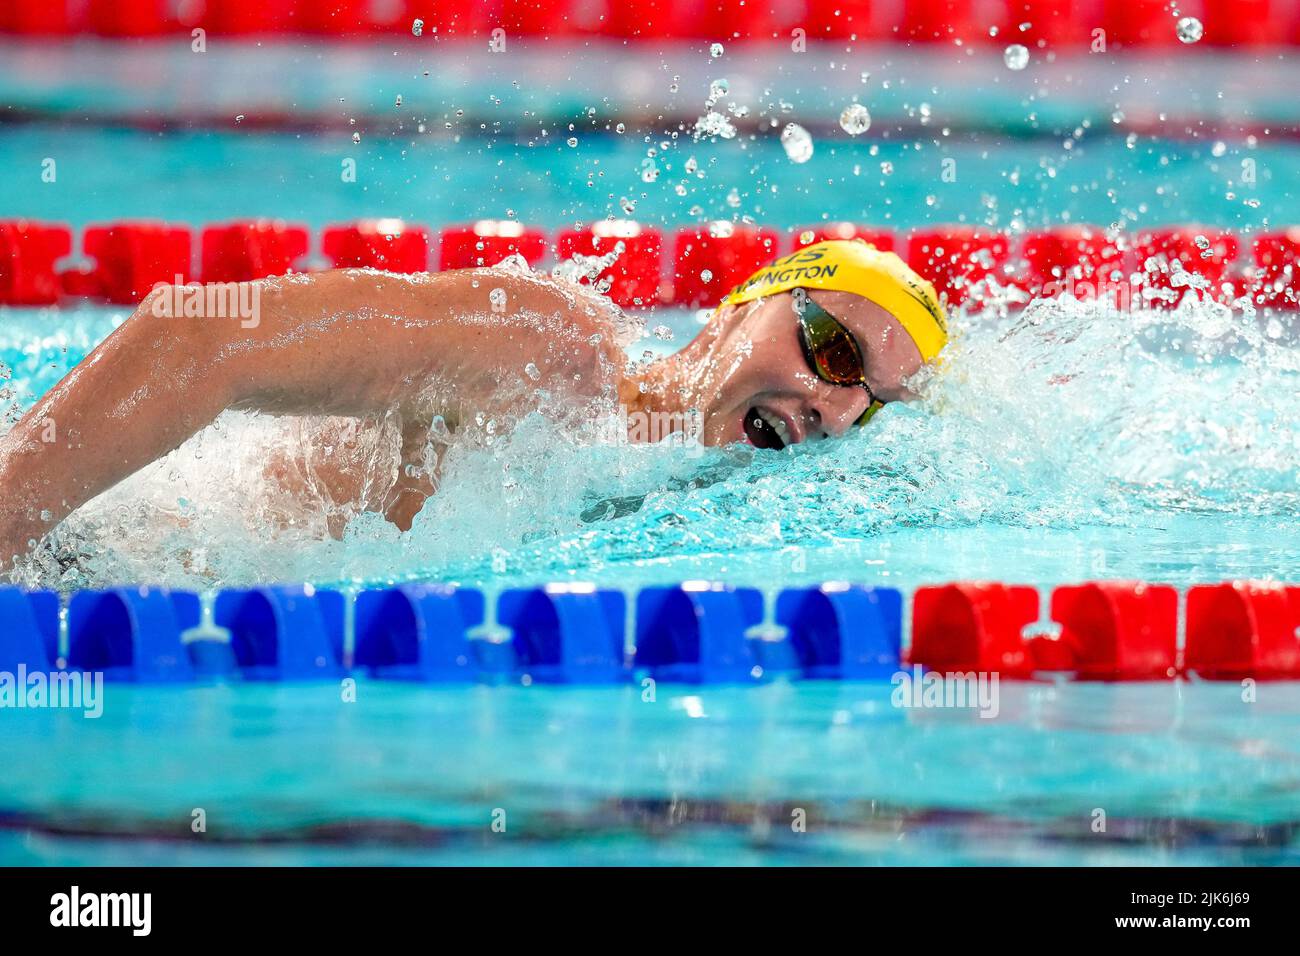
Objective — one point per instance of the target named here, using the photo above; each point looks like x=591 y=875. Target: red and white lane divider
x=692 y=266
x=1127 y=23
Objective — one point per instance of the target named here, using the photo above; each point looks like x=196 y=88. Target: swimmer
x=807 y=348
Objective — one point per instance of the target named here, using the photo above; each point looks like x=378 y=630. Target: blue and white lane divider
x=696 y=632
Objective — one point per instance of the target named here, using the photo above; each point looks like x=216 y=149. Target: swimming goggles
x=831 y=350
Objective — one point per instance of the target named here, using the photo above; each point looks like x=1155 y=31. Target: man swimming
x=806 y=348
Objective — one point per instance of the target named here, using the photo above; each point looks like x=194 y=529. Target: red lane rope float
x=488 y=241
x=35 y=19
x=1167 y=256
x=633 y=279
x=959 y=260
x=1075 y=259
x=1243 y=629
x=128 y=18
x=129 y=259
x=846 y=19
x=1068 y=24
x=1152 y=267
x=973 y=627
x=1276 y=256
x=709 y=261
x=1130 y=23
x=388 y=244
x=942 y=21
x=1247 y=23
x=252 y=249
x=1057 y=23
x=1110 y=631
x=28 y=252
x=1117 y=630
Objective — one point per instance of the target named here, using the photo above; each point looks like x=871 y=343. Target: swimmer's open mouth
x=765 y=430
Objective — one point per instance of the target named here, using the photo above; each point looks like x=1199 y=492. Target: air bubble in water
x=417 y=27
x=356 y=137
x=1190 y=29
x=399 y=99
x=572 y=141
x=798 y=143
x=706 y=275
x=532 y=372
x=855 y=120
x=715 y=51
x=1016 y=56
x=498 y=298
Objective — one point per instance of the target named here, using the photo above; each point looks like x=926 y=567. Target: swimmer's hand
x=349 y=342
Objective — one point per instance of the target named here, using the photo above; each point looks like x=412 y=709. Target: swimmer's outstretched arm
x=353 y=342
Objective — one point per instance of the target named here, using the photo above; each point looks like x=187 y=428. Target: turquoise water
x=1062 y=443
x=436 y=178
x=1182 y=775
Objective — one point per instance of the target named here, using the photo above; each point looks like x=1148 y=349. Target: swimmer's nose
x=836 y=410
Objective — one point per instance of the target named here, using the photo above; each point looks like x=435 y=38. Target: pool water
x=1062 y=442
x=1176 y=774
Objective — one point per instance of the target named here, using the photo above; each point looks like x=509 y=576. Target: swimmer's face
x=759 y=389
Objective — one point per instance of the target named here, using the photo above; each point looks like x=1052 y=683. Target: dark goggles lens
x=831 y=350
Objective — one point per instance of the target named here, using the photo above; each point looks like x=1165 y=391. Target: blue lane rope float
x=696 y=632
x=132 y=634
x=419 y=633
x=567 y=634
x=844 y=631
x=29 y=629
x=285 y=632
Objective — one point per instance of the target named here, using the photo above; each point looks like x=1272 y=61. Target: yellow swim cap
x=852 y=265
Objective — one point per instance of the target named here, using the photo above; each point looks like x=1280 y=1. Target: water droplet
x=706 y=275
x=417 y=27
x=356 y=137
x=239 y=118
x=532 y=372
x=797 y=142
x=716 y=50
x=572 y=141
x=855 y=120
x=1016 y=56
x=1190 y=29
